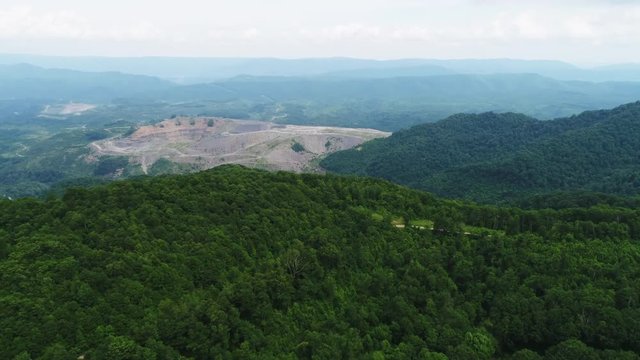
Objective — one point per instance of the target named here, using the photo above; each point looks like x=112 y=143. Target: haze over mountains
x=339 y=92
x=196 y=70
x=24 y=81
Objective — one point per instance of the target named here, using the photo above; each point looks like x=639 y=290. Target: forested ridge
x=246 y=264
x=507 y=157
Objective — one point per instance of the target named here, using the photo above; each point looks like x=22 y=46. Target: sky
x=586 y=32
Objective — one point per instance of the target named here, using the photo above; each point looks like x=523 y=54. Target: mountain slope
x=196 y=70
x=501 y=90
x=393 y=103
x=238 y=263
x=30 y=82
x=492 y=157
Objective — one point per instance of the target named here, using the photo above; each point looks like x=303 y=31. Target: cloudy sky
x=581 y=31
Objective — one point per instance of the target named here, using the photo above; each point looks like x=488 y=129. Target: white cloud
x=230 y=34
x=368 y=28
x=413 y=33
x=251 y=33
x=346 y=32
x=518 y=25
x=25 y=23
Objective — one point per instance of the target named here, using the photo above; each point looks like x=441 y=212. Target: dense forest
x=507 y=157
x=247 y=264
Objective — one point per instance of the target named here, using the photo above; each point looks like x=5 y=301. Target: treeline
x=237 y=263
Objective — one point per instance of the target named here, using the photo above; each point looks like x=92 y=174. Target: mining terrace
x=208 y=142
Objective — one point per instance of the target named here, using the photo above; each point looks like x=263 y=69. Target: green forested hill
x=238 y=263
x=494 y=157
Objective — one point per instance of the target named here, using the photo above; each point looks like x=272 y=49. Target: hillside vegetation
x=238 y=263
x=505 y=157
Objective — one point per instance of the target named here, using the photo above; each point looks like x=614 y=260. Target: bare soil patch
x=208 y=142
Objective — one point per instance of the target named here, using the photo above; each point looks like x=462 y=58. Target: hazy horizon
x=336 y=57
x=585 y=33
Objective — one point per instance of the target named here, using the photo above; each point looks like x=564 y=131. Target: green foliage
x=110 y=165
x=480 y=344
x=297 y=147
x=238 y=263
x=36 y=165
x=94 y=135
x=525 y=354
x=164 y=166
x=575 y=199
x=130 y=131
x=23 y=356
x=571 y=349
x=509 y=157
x=36 y=153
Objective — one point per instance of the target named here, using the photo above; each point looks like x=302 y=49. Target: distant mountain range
x=384 y=103
x=198 y=70
x=23 y=81
x=438 y=95
x=505 y=157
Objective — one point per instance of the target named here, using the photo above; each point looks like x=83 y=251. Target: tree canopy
x=507 y=157
x=238 y=263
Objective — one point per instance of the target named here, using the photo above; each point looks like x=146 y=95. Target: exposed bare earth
x=208 y=142
x=62 y=110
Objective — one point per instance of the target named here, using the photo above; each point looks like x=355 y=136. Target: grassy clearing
x=377 y=216
x=424 y=224
x=480 y=230
x=427 y=224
